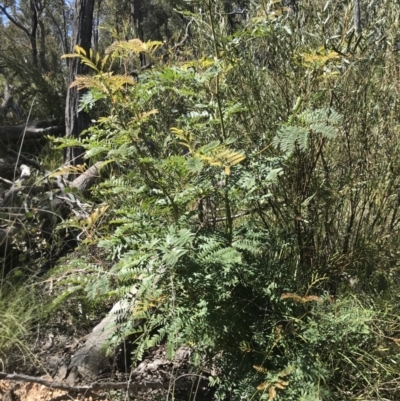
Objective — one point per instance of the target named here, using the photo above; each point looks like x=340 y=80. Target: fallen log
x=92 y=356
x=33 y=130
x=87 y=179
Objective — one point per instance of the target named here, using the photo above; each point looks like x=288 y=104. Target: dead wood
x=53 y=207
x=92 y=356
x=13 y=193
x=87 y=179
x=34 y=130
x=128 y=385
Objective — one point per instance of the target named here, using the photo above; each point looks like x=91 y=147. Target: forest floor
x=53 y=347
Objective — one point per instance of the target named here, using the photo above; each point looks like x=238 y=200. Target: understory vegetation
x=251 y=205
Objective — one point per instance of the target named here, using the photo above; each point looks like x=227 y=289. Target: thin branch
x=6 y=181
x=128 y=385
x=14 y=21
x=234 y=216
x=185 y=37
x=25 y=159
x=237 y=12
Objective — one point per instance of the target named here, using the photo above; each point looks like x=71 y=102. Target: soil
x=52 y=351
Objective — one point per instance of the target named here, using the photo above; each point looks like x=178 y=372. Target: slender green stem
x=228 y=209
x=216 y=54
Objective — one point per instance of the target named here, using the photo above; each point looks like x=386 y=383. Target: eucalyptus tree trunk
x=77 y=121
x=32 y=37
x=136 y=17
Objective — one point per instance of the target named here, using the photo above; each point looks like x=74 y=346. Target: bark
x=75 y=121
x=96 y=26
x=92 y=356
x=136 y=18
x=86 y=180
x=42 y=52
x=32 y=36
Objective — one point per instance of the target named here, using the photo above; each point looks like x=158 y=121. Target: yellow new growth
x=319 y=58
x=67 y=170
x=275 y=383
x=92 y=61
x=95 y=216
x=199 y=64
x=122 y=47
x=105 y=81
x=222 y=157
x=186 y=138
x=215 y=155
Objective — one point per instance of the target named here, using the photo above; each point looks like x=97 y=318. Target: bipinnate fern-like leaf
x=176 y=245
x=121 y=48
x=92 y=60
x=289 y=137
x=214 y=251
x=250 y=245
x=213 y=153
x=323 y=121
x=105 y=82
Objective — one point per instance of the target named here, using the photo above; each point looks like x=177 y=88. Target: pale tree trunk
x=76 y=122
x=96 y=26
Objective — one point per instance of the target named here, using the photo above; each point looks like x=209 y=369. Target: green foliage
x=320 y=121
x=240 y=220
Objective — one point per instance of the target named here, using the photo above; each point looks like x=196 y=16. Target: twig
x=234 y=216
x=25 y=159
x=6 y=181
x=238 y=11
